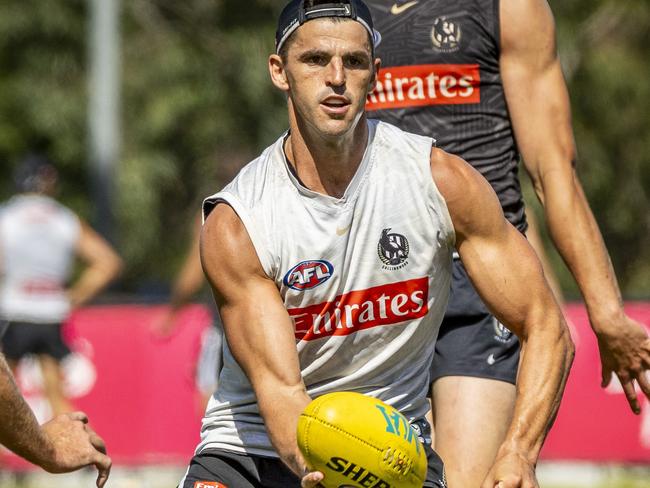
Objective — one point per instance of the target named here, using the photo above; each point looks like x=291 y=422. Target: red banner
x=140 y=392
x=137 y=387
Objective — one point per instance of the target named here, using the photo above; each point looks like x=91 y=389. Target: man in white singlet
x=39 y=240
x=330 y=259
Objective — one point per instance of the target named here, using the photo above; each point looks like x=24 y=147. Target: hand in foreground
x=511 y=470
x=626 y=352
x=311 y=480
x=75 y=445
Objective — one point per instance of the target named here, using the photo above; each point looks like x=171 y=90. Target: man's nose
x=336 y=72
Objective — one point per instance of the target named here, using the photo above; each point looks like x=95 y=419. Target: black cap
x=31 y=170
x=295 y=14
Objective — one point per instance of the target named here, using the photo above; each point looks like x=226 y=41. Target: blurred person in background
x=64 y=444
x=188 y=282
x=39 y=239
x=483 y=78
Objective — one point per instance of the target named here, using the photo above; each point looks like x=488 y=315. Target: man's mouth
x=335 y=105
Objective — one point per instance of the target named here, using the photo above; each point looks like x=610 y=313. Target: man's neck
x=326 y=165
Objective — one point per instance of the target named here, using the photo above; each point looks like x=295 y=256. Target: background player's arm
x=187 y=283
x=258 y=328
x=507 y=274
x=539 y=107
x=63 y=444
x=102 y=265
x=190 y=278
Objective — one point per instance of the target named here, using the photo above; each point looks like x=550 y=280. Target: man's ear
x=373 y=80
x=278 y=72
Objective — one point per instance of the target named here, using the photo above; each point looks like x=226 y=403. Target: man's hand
x=74 y=445
x=625 y=351
x=511 y=470
x=311 y=480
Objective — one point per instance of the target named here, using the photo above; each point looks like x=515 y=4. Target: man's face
x=328 y=71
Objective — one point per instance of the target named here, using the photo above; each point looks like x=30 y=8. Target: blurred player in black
x=483 y=78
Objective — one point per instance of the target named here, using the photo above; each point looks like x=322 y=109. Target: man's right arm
x=508 y=276
x=258 y=328
x=63 y=444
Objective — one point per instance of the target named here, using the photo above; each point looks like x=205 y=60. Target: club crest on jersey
x=308 y=274
x=501 y=332
x=445 y=35
x=393 y=249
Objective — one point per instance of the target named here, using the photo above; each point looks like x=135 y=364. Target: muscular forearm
x=577 y=237
x=19 y=430
x=280 y=411
x=546 y=356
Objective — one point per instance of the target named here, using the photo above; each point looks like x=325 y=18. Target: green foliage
x=197 y=104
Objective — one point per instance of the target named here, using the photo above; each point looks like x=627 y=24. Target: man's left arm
x=539 y=107
x=64 y=444
x=509 y=278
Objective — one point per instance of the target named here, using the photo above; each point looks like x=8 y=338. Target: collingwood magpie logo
x=446 y=35
x=501 y=332
x=393 y=249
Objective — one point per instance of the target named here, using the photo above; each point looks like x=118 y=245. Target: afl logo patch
x=393 y=249
x=308 y=274
x=445 y=35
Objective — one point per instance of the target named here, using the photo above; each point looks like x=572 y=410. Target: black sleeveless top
x=440 y=77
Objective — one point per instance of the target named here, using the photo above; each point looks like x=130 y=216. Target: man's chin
x=337 y=127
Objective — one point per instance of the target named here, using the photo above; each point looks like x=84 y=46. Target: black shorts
x=230 y=470
x=23 y=338
x=471 y=341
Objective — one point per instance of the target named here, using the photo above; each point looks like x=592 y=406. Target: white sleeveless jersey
x=365 y=279
x=37 y=241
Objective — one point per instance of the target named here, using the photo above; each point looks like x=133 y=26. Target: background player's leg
x=463 y=407
x=53 y=384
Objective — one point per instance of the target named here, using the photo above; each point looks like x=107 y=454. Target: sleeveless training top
x=440 y=77
x=37 y=244
x=365 y=279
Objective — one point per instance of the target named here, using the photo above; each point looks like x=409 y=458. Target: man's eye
x=353 y=62
x=316 y=59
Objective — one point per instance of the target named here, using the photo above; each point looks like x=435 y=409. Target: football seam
x=335 y=427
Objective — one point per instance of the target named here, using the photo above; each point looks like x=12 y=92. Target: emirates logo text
x=362 y=309
x=425 y=84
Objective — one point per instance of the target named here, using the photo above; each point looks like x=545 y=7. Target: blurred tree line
x=197 y=104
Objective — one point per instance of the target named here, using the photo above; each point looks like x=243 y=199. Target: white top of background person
x=327 y=72
x=33 y=222
x=65 y=443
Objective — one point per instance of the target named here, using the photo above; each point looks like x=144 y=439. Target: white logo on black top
x=393 y=249
x=445 y=35
x=501 y=332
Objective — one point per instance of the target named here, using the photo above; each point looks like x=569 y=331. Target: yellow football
x=359 y=441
